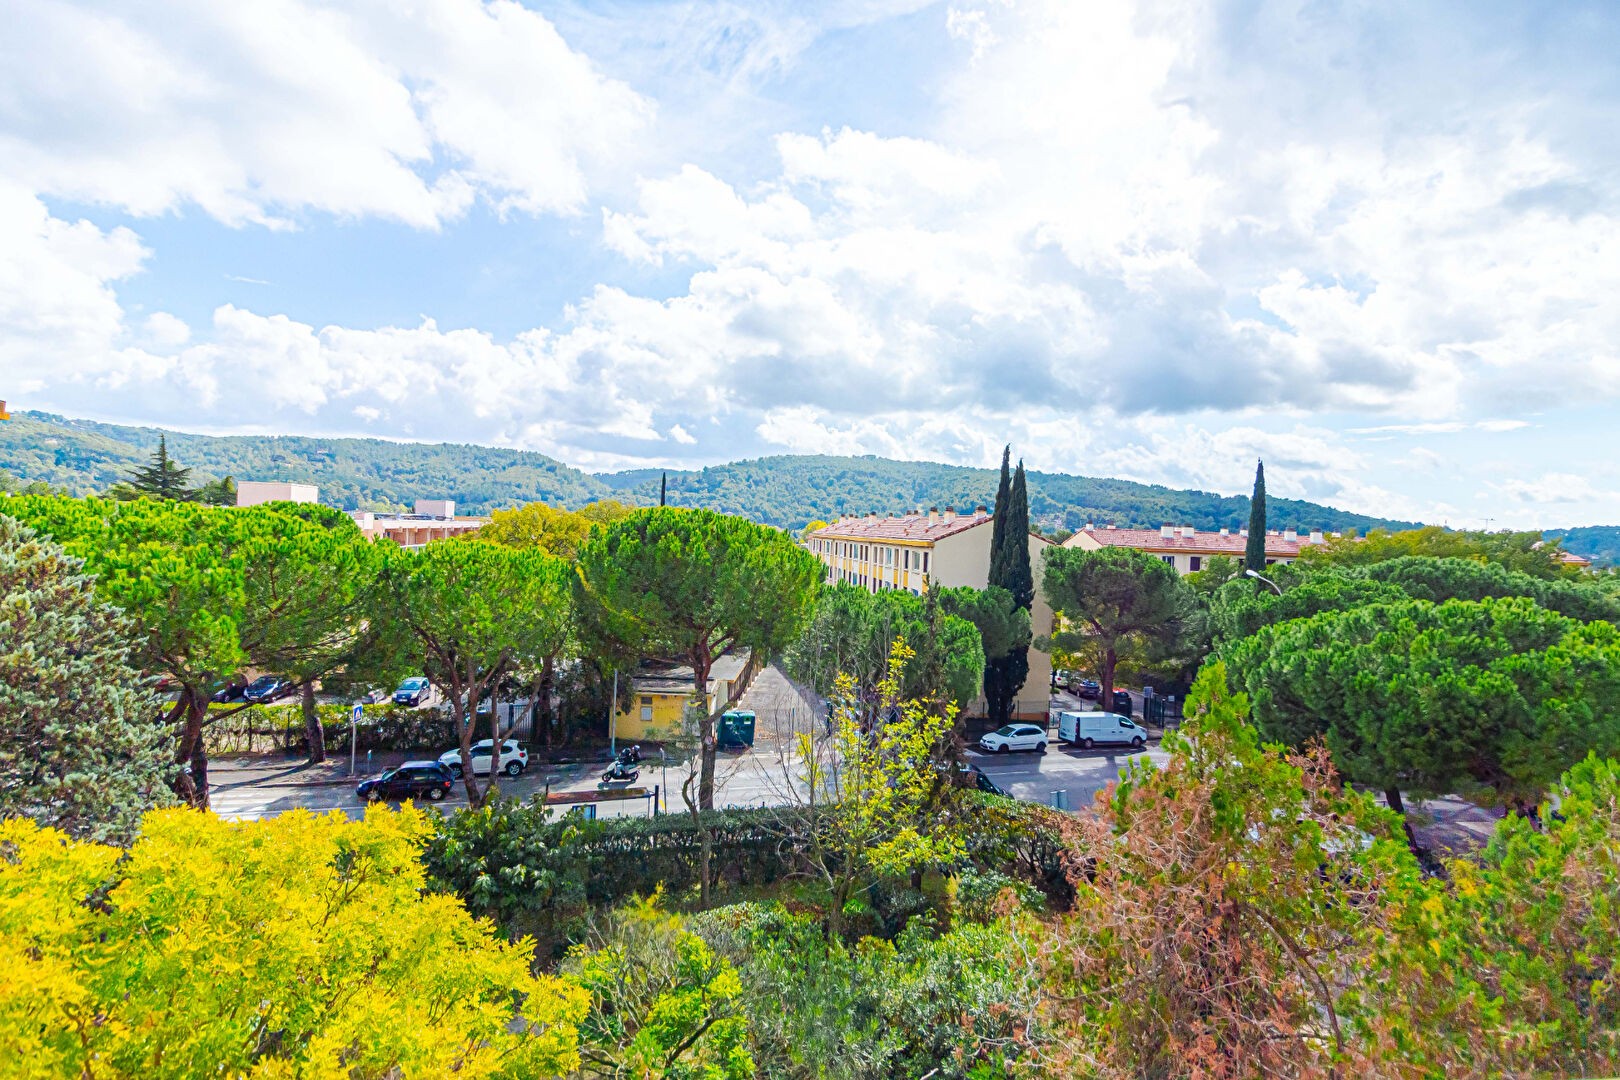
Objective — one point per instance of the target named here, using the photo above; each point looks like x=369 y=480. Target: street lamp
x=1260 y=577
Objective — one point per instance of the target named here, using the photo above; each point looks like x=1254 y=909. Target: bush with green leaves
x=956 y=1004
x=663 y=1002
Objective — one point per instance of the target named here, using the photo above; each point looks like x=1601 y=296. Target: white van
x=1090 y=729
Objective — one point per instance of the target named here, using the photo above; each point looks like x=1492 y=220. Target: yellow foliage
x=301 y=946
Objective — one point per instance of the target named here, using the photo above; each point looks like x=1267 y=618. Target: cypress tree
x=663 y=488
x=1254 y=554
x=1009 y=569
x=998 y=518
x=162 y=478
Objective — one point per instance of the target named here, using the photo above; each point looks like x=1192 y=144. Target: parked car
x=975 y=777
x=1090 y=689
x=266 y=688
x=1122 y=703
x=1090 y=729
x=412 y=691
x=514 y=758
x=228 y=693
x=414 y=779
x=1014 y=737
x=375 y=696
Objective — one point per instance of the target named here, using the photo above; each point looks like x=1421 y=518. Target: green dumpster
x=736 y=729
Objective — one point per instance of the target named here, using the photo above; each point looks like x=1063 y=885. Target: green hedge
x=537 y=876
x=281 y=727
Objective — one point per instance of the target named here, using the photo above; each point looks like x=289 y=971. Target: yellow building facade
x=918 y=550
x=659 y=694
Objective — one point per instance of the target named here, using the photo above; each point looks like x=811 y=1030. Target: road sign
x=359 y=711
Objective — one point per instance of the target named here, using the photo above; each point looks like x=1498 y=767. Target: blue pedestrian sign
x=359 y=710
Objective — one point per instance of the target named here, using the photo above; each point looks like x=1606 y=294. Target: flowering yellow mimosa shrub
x=304 y=946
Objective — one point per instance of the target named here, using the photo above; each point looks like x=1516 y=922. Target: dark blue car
x=412 y=780
x=412 y=691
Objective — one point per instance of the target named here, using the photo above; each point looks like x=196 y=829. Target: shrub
x=295 y=946
x=935 y=1004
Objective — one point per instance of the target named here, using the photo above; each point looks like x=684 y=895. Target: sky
x=1375 y=244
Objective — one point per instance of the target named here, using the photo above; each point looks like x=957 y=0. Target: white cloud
x=260 y=112
x=1129 y=236
x=1550 y=488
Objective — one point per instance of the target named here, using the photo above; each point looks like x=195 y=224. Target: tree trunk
x=495 y=745
x=463 y=696
x=705 y=842
x=1393 y=797
x=710 y=746
x=313 y=730
x=192 y=786
x=1110 y=660
x=548 y=679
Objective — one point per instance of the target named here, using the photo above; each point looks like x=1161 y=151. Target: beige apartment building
x=1188 y=549
x=917 y=550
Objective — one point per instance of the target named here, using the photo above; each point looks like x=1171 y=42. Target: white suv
x=514 y=758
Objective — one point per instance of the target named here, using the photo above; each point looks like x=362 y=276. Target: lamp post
x=1260 y=577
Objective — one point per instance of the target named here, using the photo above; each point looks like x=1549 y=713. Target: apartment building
x=916 y=551
x=434 y=519
x=1188 y=549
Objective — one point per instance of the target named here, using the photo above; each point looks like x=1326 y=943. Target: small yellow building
x=660 y=693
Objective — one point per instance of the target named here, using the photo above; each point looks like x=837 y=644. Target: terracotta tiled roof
x=912 y=527
x=1199 y=543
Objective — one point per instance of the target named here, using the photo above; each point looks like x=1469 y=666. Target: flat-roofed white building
x=919 y=550
x=254 y=492
x=422 y=527
x=1189 y=550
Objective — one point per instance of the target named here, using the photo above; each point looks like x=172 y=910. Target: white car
x=1014 y=737
x=514 y=758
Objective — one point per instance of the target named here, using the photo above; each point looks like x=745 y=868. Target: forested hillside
x=792 y=490
x=84 y=456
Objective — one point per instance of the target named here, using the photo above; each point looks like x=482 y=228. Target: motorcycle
x=620 y=772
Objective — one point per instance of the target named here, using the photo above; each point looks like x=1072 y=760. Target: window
x=1171 y=559
x=646 y=712
x=646 y=700
x=925 y=562
x=1196 y=562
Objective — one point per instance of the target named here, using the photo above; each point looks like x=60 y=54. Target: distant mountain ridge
x=85 y=456
x=789 y=490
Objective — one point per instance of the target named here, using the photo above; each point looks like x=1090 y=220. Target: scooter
x=619 y=772
x=630 y=755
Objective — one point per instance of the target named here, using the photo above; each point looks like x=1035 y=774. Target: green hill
x=791 y=490
x=1600 y=543
x=85 y=457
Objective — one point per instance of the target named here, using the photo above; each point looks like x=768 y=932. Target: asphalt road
x=248 y=788
x=1078 y=774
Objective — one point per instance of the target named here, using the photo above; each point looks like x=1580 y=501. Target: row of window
x=878 y=554
x=871 y=584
